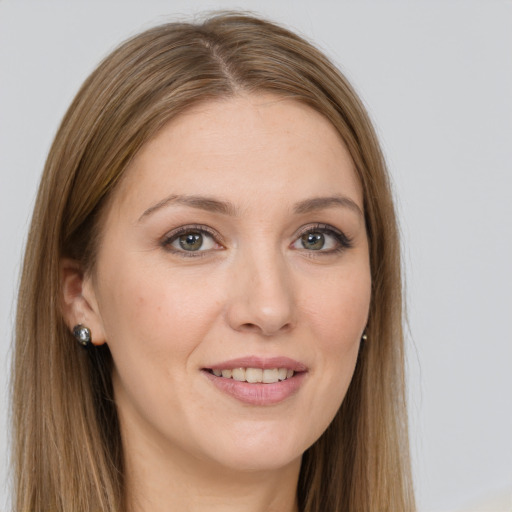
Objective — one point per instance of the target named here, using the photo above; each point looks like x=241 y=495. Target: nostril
x=265 y=330
x=261 y=311
x=249 y=327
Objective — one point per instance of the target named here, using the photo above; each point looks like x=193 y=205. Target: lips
x=260 y=362
x=258 y=381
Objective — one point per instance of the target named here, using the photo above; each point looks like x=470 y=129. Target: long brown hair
x=67 y=446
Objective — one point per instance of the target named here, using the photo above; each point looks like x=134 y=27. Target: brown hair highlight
x=67 y=446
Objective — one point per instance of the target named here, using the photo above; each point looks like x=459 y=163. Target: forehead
x=245 y=147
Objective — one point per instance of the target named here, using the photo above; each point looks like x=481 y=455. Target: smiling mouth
x=254 y=375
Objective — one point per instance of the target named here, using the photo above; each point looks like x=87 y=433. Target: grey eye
x=191 y=241
x=322 y=240
x=313 y=241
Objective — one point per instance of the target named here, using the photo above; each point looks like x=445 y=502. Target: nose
x=261 y=296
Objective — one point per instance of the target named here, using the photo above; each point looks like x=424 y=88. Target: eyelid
x=172 y=235
x=344 y=241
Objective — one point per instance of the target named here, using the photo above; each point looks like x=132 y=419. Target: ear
x=78 y=300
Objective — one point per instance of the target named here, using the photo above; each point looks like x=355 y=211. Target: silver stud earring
x=364 y=337
x=82 y=334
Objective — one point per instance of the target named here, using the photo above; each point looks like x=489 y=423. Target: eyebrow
x=321 y=203
x=211 y=204
x=200 y=202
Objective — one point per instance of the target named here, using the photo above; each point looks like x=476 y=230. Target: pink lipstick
x=257 y=380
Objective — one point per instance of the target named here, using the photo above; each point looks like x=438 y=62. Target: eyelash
x=343 y=241
x=185 y=230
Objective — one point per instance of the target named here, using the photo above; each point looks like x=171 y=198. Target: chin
x=259 y=450
x=263 y=461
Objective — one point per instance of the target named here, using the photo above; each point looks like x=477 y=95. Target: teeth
x=255 y=375
x=271 y=376
x=238 y=374
x=281 y=373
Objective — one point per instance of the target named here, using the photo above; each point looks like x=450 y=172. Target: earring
x=364 y=337
x=82 y=334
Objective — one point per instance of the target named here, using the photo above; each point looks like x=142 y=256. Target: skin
x=255 y=290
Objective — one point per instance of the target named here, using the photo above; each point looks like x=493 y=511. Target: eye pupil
x=191 y=241
x=314 y=241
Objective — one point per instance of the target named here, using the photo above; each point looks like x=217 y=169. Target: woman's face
x=234 y=250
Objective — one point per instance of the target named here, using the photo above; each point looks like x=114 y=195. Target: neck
x=158 y=482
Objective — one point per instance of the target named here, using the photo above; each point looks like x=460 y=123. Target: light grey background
x=437 y=79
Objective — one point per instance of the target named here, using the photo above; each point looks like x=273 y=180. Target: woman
x=215 y=226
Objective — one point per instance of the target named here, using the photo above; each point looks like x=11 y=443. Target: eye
x=190 y=239
x=322 y=238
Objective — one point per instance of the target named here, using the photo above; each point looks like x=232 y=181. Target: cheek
x=151 y=311
x=339 y=313
x=154 y=321
x=337 y=319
